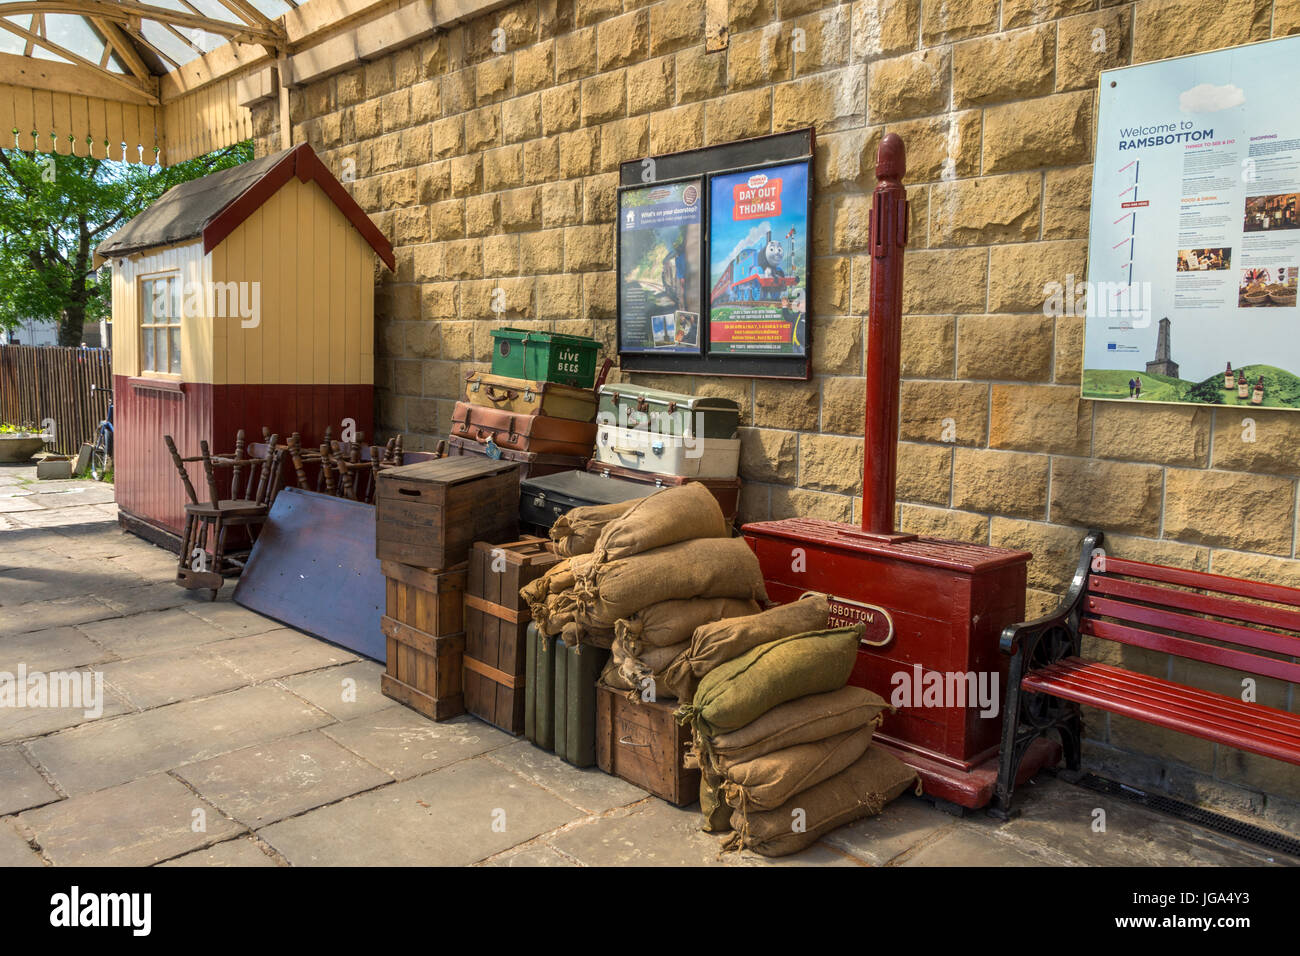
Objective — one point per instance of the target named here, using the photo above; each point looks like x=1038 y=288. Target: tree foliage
x=54 y=211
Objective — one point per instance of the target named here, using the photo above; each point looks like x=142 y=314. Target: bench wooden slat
x=1204 y=581
x=1194 y=625
x=1194 y=650
x=1069 y=680
x=1207 y=704
x=1201 y=603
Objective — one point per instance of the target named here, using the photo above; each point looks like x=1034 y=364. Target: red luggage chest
x=931 y=606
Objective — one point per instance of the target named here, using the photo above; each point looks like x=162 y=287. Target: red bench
x=1247 y=626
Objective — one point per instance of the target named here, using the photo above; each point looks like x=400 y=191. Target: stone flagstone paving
x=285 y=753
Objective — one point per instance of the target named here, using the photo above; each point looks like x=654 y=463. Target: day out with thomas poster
x=758 y=269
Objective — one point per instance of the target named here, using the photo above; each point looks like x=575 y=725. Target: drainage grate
x=1268 y=839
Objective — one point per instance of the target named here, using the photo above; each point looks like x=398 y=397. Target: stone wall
x=490 y=159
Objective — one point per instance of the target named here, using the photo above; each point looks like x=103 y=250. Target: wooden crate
x=424 y=629
x=642 y=743
x=430 y=513
x=496 y=624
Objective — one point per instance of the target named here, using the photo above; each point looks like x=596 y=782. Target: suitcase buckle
x=657 y=448
x=539 y=501
x=473 y=386
x=528 y=396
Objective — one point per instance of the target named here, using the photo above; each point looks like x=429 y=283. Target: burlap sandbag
x=742 y=690
x=666 y=517
x=555 y=612
x=861 y=790
x=703 y=568
x=717 y=815
x=577 y=531
x=801 y=721
x=673 y=622
x=574 y=634
x=632 y=671
x=766 y=782
x=722 y=640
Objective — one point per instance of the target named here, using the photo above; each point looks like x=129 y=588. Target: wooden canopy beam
x=120 y=81
x=121 y=44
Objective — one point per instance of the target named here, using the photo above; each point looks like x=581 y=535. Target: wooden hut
x=240 y=300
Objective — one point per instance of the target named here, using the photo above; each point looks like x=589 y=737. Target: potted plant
x=21 y=442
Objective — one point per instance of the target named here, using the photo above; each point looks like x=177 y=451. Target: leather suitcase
x=523 y=397
x=536 y=433
x=726 y=490
x=669 y=413
x=688 y=457
x=542 y=500
x=532 y=463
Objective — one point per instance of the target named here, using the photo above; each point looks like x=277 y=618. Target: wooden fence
x=40 y=382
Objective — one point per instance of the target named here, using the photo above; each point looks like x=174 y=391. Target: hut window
x=160 y=325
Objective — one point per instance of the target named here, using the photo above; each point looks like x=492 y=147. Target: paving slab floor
x=226 y=739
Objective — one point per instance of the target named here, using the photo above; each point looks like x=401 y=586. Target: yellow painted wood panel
x=316 y=278
x=187 y=262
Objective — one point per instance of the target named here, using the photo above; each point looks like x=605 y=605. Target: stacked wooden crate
x=496 y=622
x=428 y=516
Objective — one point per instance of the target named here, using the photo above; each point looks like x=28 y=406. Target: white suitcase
x=667 y=454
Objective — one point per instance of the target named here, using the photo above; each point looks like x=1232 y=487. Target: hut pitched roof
x=213 y=206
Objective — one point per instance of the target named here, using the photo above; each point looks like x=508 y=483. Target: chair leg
x=218 y=553
x=187 y=537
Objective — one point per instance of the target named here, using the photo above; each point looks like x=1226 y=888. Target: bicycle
x=102 y=450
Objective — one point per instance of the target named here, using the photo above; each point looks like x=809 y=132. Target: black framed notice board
x=713 y=251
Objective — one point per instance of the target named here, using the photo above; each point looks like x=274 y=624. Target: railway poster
x=1194 y=245
x=758 y=251
x=660 y=253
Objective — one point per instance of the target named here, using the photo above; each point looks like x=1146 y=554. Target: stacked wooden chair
x=350 y=469
x=255 y=477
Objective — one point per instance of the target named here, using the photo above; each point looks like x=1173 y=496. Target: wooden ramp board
x=314 y=568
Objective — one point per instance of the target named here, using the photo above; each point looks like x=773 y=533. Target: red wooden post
x=884 y=333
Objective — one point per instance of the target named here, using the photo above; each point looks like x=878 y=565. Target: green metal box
x=545 y=357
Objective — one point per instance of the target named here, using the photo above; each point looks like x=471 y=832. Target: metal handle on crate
x=626 y=741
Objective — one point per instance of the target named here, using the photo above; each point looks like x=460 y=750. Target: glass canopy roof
x=126 y=38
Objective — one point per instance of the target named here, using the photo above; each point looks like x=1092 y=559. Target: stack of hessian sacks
x=640 y=576
x=783 y=745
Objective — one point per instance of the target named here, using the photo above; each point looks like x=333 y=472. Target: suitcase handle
x=509 y=395
x=624 y=450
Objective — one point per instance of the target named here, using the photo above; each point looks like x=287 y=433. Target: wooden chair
x=254 y=483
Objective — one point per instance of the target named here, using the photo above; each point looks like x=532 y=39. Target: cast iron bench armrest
x=1067 y=613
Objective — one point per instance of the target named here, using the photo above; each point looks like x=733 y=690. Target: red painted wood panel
x=146 y=482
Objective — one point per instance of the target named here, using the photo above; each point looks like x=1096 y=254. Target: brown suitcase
x=496 y=624
x=530 y=398
x=726 y=490
x=536 y=433
x=533 y=464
